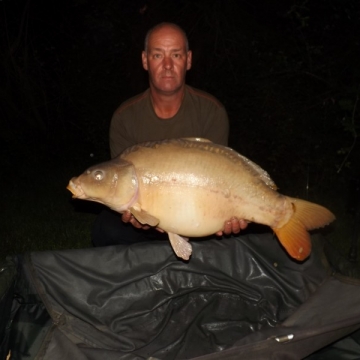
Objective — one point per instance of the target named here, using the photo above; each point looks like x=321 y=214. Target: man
x=168 y=109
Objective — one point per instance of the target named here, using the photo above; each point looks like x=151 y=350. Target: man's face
x=166 y=60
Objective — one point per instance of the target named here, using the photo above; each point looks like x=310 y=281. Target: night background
x=287 y=71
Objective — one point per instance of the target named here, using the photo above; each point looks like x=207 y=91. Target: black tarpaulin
x=236 y=298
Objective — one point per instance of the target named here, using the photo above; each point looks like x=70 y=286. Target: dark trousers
x=109 y=229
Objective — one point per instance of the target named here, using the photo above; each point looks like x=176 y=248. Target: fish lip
x=76 y=190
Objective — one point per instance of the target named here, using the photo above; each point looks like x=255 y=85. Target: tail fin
x=307 y=216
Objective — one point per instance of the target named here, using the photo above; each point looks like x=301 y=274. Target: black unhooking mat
x=237 y=298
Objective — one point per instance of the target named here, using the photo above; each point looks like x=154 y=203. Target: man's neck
x=166 y=105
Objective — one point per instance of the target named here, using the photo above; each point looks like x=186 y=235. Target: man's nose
x=168 y=63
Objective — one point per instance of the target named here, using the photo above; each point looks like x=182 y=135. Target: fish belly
x=186 y=211
x=196 y=211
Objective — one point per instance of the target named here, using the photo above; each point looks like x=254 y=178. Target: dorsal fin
x=199 y=139
x=264 y=176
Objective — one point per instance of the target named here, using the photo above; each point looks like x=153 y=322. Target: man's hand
x=127 y=217
x=233 y=226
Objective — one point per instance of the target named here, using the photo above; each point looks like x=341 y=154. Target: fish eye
x=98 y=175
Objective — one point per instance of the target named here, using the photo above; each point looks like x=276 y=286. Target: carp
x=190 y=187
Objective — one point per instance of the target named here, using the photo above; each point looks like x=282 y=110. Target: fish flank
x=210 y=147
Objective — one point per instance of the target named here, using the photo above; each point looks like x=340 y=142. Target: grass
x=38 y=212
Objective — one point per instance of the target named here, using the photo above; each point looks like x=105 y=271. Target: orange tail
x=307 y=216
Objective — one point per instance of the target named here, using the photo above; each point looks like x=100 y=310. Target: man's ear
x=188 y=60
x=144 y=60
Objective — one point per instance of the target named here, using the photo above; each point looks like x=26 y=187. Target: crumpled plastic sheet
x=140 y=301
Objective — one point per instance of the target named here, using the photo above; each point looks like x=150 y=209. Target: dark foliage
x=287 y=72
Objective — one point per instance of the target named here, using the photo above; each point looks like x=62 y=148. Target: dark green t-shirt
x=200 y=115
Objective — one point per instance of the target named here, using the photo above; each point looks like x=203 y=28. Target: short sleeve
x=217 y=126
x=119 y=137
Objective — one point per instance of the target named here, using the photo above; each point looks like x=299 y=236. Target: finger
x=227 y=227
x=126 y=216
x=135 y=223
x=243 y=224
x=138 y=224
x=235 y=226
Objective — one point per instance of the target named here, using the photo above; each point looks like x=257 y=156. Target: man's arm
x=119 y=138
x=217 y=125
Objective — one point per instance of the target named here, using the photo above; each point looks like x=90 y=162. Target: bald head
x=166 y=59
x=164 y=25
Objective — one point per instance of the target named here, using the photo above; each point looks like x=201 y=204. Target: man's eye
x=157 y=56
x=176 y=56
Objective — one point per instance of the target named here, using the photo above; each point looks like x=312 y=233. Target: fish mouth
x=75 y=189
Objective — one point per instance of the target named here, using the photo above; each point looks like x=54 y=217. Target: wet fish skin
x=189 y=188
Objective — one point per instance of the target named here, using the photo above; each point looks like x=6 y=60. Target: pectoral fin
x=143 y=216
x=180 y=245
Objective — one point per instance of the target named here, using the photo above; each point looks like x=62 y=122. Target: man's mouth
x=167 y=75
